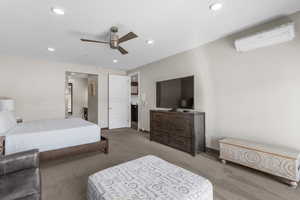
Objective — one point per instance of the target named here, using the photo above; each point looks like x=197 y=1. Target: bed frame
x=102 y=146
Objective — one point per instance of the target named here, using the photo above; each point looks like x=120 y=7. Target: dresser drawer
x=159 y=122
x=181 y=127
x=158 y=116
x=160 y=137
x=182 y=143
x=159 y=125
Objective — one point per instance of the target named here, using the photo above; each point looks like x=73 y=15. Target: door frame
x=139 y=97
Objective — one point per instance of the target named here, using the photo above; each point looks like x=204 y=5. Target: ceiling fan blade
x=95 y=41
x=127 y=37
x=123 y=51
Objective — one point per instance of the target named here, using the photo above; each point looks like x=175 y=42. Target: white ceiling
x=28 y=27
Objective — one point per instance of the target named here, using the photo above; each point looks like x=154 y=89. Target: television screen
x=175 y=93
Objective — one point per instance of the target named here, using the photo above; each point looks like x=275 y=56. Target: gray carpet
x=66 y=179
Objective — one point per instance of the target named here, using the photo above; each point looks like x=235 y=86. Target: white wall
x=253 y=95
x=182 y=65
x=38 y=86
x=257 y=93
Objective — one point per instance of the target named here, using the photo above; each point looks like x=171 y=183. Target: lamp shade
x=7 y=104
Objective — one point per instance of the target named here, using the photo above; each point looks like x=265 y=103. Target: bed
x=148 y=178
x=55 y=138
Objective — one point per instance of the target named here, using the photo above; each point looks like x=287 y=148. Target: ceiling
x=28 y=27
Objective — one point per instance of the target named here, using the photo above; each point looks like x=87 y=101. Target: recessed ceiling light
x=150 y=42
x=57 y=11
x=115 y=60
x=216 y=6
x=51 y=49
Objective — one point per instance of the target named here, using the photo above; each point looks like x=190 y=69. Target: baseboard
x=213 y=151
x=144 y=131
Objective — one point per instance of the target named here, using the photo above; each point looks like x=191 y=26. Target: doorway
x=81 y=98
x=135 y=93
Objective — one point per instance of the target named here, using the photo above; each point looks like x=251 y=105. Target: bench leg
x=293 y=184
x=223 y=161
x=105 y=145
x=106 y=150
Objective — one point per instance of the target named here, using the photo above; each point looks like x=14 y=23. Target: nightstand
x=19 y=120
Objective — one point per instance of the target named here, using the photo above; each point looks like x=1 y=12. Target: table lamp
x=7 y=104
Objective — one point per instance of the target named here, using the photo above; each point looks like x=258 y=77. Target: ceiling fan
x=115 y=40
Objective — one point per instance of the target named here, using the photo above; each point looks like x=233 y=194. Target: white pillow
x=7 y=121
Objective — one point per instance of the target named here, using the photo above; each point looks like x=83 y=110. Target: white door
x=119 y=101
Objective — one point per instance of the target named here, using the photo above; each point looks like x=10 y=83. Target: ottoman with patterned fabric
x=148 y=178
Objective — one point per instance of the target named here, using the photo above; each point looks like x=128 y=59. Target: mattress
x=48 y=135
x=148 y=178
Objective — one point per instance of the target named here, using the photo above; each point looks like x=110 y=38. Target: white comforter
x=148 y=178
x=48 y=135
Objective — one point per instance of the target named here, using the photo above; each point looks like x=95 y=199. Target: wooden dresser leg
x=223 y=161
x=104 y=145
x=106 y=148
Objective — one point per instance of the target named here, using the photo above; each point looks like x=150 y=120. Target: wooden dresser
x=184 y=131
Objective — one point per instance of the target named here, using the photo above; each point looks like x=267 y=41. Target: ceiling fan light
x=115 y=61
x=51 y=49
x=150 y=42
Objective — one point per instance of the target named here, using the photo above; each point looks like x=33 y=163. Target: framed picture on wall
x=134 y=88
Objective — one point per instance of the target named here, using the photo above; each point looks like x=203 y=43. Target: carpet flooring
x=66 y=179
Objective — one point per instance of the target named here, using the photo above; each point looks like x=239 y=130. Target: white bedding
x=148 y=178
x=48 y=135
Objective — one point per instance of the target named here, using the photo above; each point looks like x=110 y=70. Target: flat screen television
x=175 y=93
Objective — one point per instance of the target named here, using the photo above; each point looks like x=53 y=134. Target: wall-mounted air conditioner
x=280 y=34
